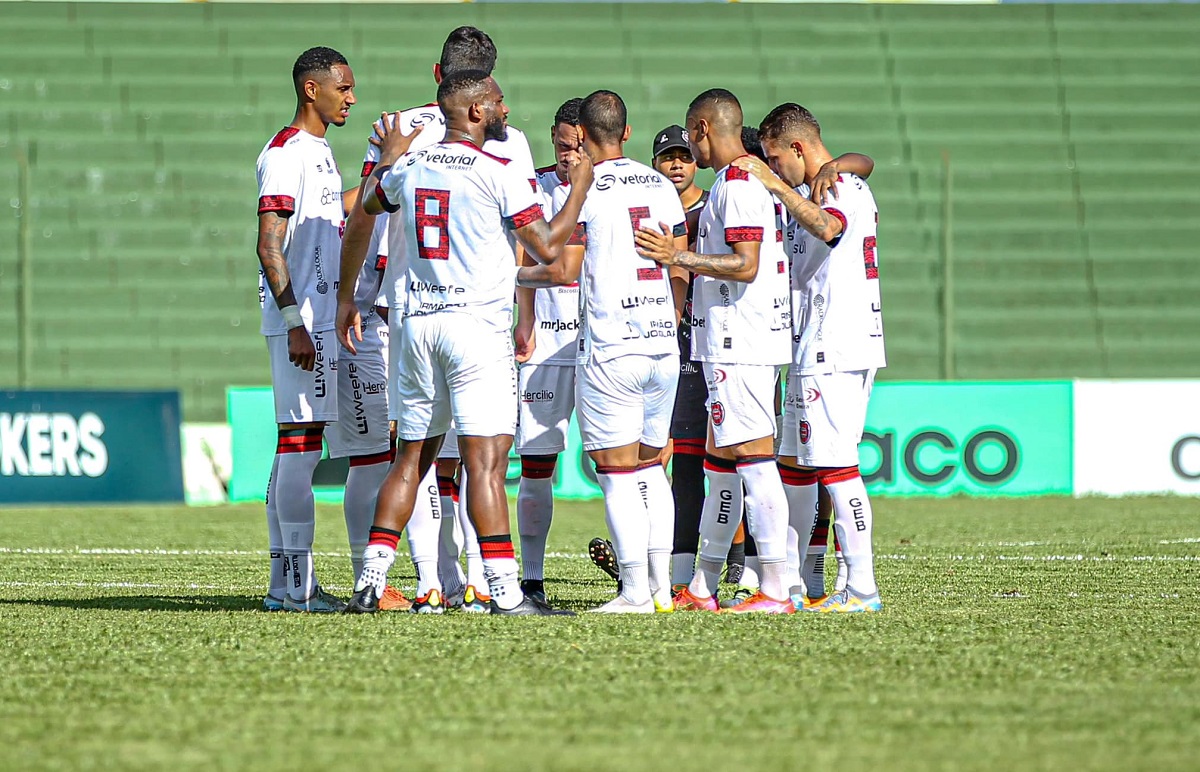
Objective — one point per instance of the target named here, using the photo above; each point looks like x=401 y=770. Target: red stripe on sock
x=751 y=460
x=307 y=447
x=793 y=476
x=615 y=469
x=447 y=487
x=722 y=465
x=375 y=458
x=383 y=537
x=689 y=447
x=538 y=469
x=830 y=476
x=648 y=464
x=496 y=550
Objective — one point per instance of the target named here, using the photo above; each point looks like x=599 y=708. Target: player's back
x=627 y=305
x=835 y=289
x=455 y=201
x=735 y=321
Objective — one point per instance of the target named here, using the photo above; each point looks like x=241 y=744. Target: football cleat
x=761 y=604
x=429 y=603
x=271 y=603
x=454 y=598
x=664 y=606
x=394 y=600
x=619 y=605
x=320 y=602
x=847 y=602
x=365 y=601
x=733 y=573
x=684 y=600
x=530 y=607
x=475 y=602
x=602 y=554
x=740 y=595
x=801 y=601
x=534 y=588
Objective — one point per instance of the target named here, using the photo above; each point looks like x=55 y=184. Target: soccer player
x=741 y=334
x=628 y=360
x=838 y=333
x=453 y=353
x=546 y=340
x=299 y=228
x=435 y=541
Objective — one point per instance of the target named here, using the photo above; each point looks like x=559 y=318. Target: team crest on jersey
x=718 y=414
x=805 y=432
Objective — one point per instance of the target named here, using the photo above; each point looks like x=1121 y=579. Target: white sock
x=535 y=511
x=767 y=520
x=660 y=510
x=277 y=587
x=499 y=566
x=718 y=523
x=377 y=561
x=629 y=525
x=751 y=572
x=425 y=532
x=450 y=545
x=362 y=490
x=297 y=519
x=839 y=580
x=476 y=576
x=683 y=567
x=853 y=522
x=800 y=487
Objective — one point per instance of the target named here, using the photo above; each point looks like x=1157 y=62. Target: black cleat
x=531 y=607
x=534 y=588
x=734 y=572
x=602 y=554
x=364 y=601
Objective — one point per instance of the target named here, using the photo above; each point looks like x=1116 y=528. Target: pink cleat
x=761 y=604
x=684 y=600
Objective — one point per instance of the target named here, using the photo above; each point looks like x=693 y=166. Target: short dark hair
x=460 y=82
x=318 y=59
x=751 y=142
x=468 y=48
x=789 y=120
x=726 y=108
x=568 y=112
x=603 y=116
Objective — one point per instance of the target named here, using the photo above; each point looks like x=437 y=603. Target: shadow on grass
x=146 y=603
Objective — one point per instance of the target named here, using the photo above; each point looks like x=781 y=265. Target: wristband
x=291 y=317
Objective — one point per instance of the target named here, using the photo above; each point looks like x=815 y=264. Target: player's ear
x=437 y=73
x=798 y=148
x=625 y=136
x=311 y=87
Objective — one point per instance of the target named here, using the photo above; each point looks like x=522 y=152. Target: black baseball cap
x=671 y=137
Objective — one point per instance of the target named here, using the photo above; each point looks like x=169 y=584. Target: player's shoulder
x=422 y=115
x=853 y=193
x=285 y=141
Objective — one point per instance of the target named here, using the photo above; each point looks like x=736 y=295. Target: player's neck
x=689 y=197
x=307 y=120
x=725 y=150
x=601 y=153
x=458 y=134
x=813 y=162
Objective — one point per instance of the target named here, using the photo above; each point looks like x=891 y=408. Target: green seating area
x=1070 y=129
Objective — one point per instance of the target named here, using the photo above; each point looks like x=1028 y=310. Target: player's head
x=323 y=79
x=751 y=142
x=466 y=48
x=471 y=98
x=564 y=134
x=603 y=120
x=788 y=134
x=673 y=157
x=715 y=115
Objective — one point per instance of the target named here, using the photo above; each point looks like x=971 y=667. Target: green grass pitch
x=1017 y=634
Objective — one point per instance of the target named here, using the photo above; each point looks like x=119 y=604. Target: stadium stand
x=1070 y=130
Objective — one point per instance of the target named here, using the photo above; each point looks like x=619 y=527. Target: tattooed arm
x=662 y=247
x=272 y=228
x=810 y=216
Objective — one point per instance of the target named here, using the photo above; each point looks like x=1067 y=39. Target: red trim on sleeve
x=838 y=215
x=368 y=167
x=526 y=216
x=578 y=236
x=286 y=133
x=734 y=173
x=736 y=235
x=281 y=204
x=388 y=206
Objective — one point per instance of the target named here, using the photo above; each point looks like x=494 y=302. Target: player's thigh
x=658 y=399
x=547 y=394
x=481 y=376
x=303 y=396
x=421 y=404
x=362 y=428
x=608 y=402
x=824 y=418
x=741 y=402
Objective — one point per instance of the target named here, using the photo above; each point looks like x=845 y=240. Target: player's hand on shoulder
x=825 y=182
x=301 y=351
x=579 y=171
x=761 y=172
x=349 y=325
x=391 y=141
x=656 y=245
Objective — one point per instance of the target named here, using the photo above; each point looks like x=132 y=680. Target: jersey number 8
x=433 y=223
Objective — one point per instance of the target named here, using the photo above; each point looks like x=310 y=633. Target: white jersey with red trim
x=555 y=309
x=738 y=322
x=627 y=305
x=298 y=179
x=369 y=291
x=456 y=203
x=838 y=323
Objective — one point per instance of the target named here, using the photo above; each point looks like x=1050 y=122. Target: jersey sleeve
x=522 y=158
x=388 y=189
x=741 y=210
x=280 y=180
x=371 y=159
x=519 y=205
x=676 y=218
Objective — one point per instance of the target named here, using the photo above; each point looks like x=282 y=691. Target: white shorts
x=741 y=402
x=456 y=366
x=362 y=398
x=450 y=445
x=303 y=396
x=626 y=400
x=824 y=417
x=547 y=400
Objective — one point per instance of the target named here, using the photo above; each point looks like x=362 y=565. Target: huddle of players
x=457 y=193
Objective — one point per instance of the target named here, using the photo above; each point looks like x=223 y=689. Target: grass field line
x=1191 y=540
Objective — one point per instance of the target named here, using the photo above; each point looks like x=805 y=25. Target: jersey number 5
x=433 y=223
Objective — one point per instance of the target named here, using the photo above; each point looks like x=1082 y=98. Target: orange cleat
x=684 y=600
x=394 y=600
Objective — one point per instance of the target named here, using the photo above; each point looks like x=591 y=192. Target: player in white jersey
x=435 y=541
x=741 y=327
x=546 y=339
x=628 y=362
x=300 y=219
x=453 y=354
x=838 y=342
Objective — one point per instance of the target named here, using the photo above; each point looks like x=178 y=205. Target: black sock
x=687 y=486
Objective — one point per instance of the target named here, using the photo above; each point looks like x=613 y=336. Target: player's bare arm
x=680 y=278
x=810 y=216
x=272 y=229
x=826 y=179
x=355 y=240
x=392 y=144
x=524 y=341
x=664 y=248
x=564 y=270
x=544 y=241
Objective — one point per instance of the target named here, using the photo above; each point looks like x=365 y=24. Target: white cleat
x=619 y=605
